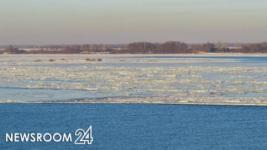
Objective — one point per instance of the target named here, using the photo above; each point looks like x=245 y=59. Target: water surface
x=143 y=127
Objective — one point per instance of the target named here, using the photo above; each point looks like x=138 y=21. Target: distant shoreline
x=168 y=47
x=202 y=53
x=206 y=53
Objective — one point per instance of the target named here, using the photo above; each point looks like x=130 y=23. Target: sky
x=123 y=21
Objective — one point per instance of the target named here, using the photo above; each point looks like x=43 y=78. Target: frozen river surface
x=210 y=78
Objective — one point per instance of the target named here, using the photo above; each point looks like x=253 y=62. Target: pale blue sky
x=122 y=21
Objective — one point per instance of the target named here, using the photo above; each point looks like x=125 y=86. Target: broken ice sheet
x=161 y=78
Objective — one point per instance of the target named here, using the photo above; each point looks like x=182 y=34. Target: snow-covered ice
x=192 y=78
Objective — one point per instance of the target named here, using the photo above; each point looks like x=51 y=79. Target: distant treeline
x=171 y=47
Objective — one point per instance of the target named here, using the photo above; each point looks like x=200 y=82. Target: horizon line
x=126 y=43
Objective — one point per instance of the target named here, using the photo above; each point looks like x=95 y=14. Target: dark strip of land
x=170 y=47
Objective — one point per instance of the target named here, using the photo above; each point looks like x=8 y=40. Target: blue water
x=140 y=127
